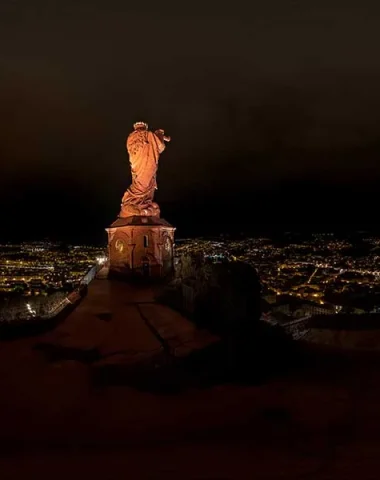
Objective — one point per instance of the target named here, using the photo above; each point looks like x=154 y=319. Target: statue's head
x=140 y=126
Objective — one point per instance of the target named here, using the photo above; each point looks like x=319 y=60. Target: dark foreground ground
x=321 y=420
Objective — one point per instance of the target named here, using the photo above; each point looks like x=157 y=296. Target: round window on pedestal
x=119 y=245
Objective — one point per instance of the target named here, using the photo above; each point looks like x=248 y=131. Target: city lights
x=318 y=274
x=44 y=273
x=31 y=310
x=101 y=260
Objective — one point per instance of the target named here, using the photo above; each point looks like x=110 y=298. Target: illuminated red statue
x=144 y=148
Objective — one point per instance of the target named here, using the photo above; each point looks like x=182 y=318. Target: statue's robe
x=144 y=148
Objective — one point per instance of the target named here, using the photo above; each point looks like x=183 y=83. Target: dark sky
x=273 y=107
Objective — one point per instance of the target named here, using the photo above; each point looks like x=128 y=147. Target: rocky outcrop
x=224 y=297
x=221 y=296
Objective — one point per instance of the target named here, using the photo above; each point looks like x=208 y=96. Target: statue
x=144 y=148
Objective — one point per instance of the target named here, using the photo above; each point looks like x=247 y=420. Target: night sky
x=273 y=107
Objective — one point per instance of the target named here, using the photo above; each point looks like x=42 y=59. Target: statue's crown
x=140 y=125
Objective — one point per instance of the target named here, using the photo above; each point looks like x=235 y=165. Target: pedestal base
x=128 y=210
x=140 y=246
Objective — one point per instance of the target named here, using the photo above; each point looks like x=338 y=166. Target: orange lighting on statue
x=144 y=148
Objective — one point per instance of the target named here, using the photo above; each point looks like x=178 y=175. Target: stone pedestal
x=140 y=246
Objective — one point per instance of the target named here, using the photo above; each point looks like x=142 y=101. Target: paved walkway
x=124 y=324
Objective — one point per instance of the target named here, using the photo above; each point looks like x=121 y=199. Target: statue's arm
x=161 y=135
x=161 y=139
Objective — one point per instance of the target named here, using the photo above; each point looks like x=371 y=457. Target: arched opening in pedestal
x=145 y=267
